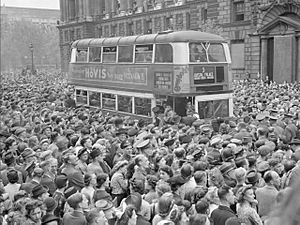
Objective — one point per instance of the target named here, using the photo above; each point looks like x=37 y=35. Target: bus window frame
x=152 y=57
x=101 y=48
x=77 y=52
x=154 y=60
x=207 y=55
x=118 y=51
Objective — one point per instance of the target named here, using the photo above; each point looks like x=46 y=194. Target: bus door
x=184 y=104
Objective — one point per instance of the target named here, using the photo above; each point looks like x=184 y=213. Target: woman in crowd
x=246 y=207
x=119 y=183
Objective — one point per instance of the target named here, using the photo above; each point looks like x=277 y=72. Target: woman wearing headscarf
x=246 y=205
x=119 y=183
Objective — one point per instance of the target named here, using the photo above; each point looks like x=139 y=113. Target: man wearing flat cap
x=36 y=180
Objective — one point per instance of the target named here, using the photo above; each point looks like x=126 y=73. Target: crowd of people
x=72 y=165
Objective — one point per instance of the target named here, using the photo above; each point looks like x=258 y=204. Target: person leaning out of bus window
x=169 y=113
x=197 y=53
x=190 y=109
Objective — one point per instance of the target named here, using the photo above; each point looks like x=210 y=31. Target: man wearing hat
x=108 y=209
x=70 y=162
x=98 y=164
x=9 y=160
x=252 y=177
x=21 y=134
x=39 y=193
x=121 y=135
x=29 y=157
x=77 y=216
x=58 y=195
x=47 y=178
x=49 y=217
x=36 y=180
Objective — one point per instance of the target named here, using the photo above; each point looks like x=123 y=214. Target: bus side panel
x=129 y=77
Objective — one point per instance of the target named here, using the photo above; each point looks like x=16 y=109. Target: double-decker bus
x=132 y=74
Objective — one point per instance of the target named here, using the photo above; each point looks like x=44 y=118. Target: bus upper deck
x=171 y=66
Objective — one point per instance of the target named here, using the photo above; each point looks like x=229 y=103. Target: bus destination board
x=162 y=80
x=204 y=74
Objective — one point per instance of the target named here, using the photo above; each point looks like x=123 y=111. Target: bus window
x=143 y=53
x=125 y=54
x=197 y=53
x=109 y=54
x=216 y=53
x=213 y=109
x=142 y=106
x=163 y=53
x=125 y=104
x=109 y=101
x=81 y=96
x=95 y=99
x=81 y=55
x=95 y=54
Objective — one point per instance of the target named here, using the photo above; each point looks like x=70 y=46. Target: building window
x=238 y=11
x=149 y=26
x=203 y=14
x=130 y=29
x=238 y=54
x=72 y=37
x=113 y=30
x=169 y=23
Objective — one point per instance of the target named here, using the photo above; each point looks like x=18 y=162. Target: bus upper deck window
x=163 y=53
x=109 y=54
x=197 y=53
x=95 y=54
x=216 y=53
x=125 y=54
x=81 y=55
x=143 y=53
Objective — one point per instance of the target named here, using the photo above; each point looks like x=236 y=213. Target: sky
x=45 y=4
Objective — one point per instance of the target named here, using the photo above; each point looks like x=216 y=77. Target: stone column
x=113 y=7
x=89 y=9
x=62 y=10
x=107 y=8
x=130 y=6
x=66 y=13
x=123 y=7
x=263 y=59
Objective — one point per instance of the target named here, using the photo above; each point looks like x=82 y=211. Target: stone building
x=264 y=35
x=48 y=17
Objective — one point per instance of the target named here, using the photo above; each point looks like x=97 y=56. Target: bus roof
x=162 y=37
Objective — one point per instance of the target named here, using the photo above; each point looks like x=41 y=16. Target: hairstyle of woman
x=135 y=162
x=32 y=205
x=198 y=219
x=128 y=213
x=165 y=205
x=101 y=178
x=87 y=179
